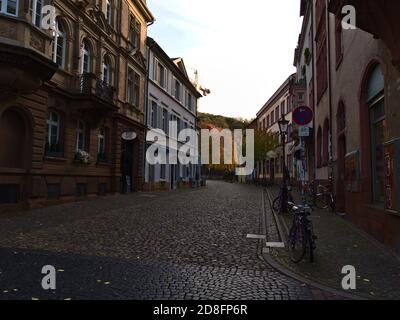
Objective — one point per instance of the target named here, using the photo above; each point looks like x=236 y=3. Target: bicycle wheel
x=322 y=201
x=297 y=242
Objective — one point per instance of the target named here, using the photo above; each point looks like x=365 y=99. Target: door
x=127 y=166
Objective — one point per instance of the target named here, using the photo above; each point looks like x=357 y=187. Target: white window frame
x=4 y=5
x=109 y=14
x=101 y=139
x=85 y=52
x=52 y=123
x=57 y=35
x=36 y=11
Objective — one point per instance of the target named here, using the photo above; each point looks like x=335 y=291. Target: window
x=133 y=88
x=135 y=33
x=165 y=120
x=177 y=90
x=153 y=115
x=289 y=106
x=59 y=45
x=36 y=12
x=272 y=117
x=9 y=7
x=101 y=144
x=109 y=11
x=81 y=136
x=377 y=115
x=160 y=74
x=277 y=114
x=268 y=121
x=283 y=111
x=86 y=58
x=53 y=133
x=106 y=70
x=190 y=102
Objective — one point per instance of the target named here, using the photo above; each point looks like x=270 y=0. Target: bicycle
x=301 y=236
x=276 y=204
x=323 y=199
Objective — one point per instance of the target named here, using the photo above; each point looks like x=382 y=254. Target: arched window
x=36 y=12
x=376 y=105
x=325 y=143
x=341 y=118
x=319 y=147
x=86 y=58
x=9 y=7
x=59 y=45
x=106 y=70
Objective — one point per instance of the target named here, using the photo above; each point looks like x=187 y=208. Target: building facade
x=72 y=100
x=279 y=106
x=171 y=97
x=356 y=96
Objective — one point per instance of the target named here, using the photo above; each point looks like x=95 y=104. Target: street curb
x=278 y=267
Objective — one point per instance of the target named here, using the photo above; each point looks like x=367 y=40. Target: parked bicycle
x=321 y=197
x=276 y=204
x=301 y=236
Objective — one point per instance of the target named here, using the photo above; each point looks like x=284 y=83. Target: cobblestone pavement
x=341 y=243
x=188 y=244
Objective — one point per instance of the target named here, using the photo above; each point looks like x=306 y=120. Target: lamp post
x=283 y=128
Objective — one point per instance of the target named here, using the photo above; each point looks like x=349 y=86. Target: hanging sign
x=129 y=135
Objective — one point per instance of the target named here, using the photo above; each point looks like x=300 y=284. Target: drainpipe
x=146 y=106
x=313 y=88
x=330 y=165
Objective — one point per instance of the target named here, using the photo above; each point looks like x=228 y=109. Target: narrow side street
x=190 y=244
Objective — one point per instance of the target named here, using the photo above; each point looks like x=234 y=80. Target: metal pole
x=284 y=198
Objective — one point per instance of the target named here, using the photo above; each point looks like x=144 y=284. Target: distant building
x=279 y=106
x=171 y=96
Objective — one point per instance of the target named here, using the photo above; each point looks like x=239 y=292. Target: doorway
x=127 y=185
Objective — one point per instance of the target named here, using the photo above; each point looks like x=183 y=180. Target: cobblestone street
x=189 y=244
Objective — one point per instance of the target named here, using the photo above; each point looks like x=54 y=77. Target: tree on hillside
x=264 y=142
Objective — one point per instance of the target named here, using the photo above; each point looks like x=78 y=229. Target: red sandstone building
x=355 y=91
x=70 y=94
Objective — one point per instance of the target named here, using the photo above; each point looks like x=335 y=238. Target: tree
x=264 y=142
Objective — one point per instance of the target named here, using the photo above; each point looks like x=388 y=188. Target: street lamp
x=283 y=128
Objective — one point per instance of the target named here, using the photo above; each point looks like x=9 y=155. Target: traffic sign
x=304 y=131
x=303 y=116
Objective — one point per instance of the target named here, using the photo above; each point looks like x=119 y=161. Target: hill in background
x=210 y=121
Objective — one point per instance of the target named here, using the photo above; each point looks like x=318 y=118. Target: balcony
x=25 y=57
x=94 y=98
x=90 y=85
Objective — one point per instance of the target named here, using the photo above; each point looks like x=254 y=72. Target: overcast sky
x=243 y=49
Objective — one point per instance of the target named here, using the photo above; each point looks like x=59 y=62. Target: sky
x=243 y=50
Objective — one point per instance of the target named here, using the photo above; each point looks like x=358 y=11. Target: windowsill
x=103 y=163
x=54 y=158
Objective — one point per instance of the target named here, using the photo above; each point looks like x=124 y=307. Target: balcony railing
x=89 y=84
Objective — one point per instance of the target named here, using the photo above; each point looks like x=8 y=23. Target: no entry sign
x=303 y=116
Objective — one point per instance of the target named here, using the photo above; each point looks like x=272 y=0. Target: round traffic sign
x=303 y=116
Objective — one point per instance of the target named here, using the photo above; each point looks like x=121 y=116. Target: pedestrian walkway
x=341 y=243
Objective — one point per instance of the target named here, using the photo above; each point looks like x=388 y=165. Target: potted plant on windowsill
x=82 y=157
